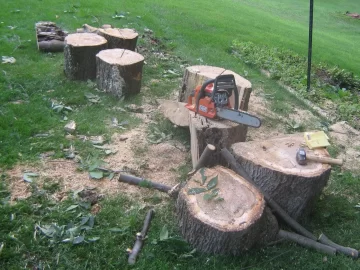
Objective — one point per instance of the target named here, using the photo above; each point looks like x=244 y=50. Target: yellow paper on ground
x=316 y=139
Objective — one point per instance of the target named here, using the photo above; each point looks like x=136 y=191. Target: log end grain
x=237 y=223
x=84 y=40
x=120 y=57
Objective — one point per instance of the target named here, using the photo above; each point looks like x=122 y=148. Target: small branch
x=133 y=180
x=281 y=213
x=209 y=149
x=140 y=237
x=306 y=242
x=340 y=249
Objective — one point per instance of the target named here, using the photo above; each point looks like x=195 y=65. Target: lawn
x=192 y=32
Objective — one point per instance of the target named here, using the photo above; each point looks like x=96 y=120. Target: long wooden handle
x=325 y=160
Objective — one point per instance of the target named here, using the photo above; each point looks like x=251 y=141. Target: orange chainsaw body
x=206 y=106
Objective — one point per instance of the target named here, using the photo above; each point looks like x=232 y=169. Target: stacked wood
x=121 y=38
x=80 y=55
x=197 y=75
x=119 y=71
x=220 y=133
x=273 y=167
x=49 y=37
x=235 y=220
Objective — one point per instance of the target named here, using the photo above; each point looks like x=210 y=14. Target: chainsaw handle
x=227 y=78
x=202 y=93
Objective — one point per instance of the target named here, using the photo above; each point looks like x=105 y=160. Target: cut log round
x=220 y=133
x=237 y=223
x=174 y=111
x=197 y=75
x=119 y=71
x=272 y=165
x=120 y=38
x=80 y=55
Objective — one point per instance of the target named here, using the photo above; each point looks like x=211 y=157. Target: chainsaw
x=212 y=100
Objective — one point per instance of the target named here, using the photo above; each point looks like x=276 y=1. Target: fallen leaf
x=8 y=60
x=28 y=177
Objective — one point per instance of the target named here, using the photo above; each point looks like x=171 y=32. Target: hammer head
x=301 y=156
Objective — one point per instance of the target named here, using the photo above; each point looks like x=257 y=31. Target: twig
x=340 y=249
x=306 y=242
x=203 y=158
x=133 y=180
x=140 y=237
x=289 y=220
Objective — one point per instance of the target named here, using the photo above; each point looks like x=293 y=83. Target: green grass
x=189 y=33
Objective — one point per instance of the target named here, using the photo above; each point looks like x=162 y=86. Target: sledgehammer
x=301 y=158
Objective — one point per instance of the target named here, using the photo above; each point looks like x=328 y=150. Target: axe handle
x=325 y=160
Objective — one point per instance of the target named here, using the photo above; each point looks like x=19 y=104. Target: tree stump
x=220 y=133
x=80 y=55
x=272 y=166
x=120 y=38
x=197 y=75
x=237 y=223
x=119 y=71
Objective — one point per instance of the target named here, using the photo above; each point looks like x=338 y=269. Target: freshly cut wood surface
x=80 y=55
x=237 y=223
x=123 y=38
x=220 y=133
x=272 y=165
x=197 y=75
x=119 y=71
x=175 y=111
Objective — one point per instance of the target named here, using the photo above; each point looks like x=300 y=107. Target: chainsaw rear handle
x=228 y=78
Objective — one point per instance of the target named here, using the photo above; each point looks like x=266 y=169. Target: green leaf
x=28 y=177
x=84 y=220
x=78 y=239
x=212 y=183
x=93 y=239
x=209 y=196
x=96 y=174
x=111 y=176
x=193 y=191
x=71 y=207
x=203 y=176
x=116 y=230
x=91 y=221
x=164 y=233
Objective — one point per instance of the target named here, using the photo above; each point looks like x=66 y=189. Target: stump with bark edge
x=220 y=133
x=119 y=71
x=121 y=38
x=237 y=223
x=272 y=166
x=197 y=75
x=80 y=55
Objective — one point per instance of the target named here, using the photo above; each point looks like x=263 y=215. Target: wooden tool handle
x=325 y=160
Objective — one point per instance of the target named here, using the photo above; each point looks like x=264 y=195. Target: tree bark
x=230 y=226
x=197 y=75
x=80 y=55
x=220 y=133
x=272 y=166
x=119 y=71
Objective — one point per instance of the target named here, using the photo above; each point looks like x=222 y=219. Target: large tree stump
x=197 y=75
x=220 y=133
x=119 y=71
x=272 y=166
x=80 y=55
x=117 y=38
x=237 y=223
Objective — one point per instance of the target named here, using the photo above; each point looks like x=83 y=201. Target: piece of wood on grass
x=119 y=71
x=197 y=75
x=174 y=111
x=220 y=133
x=80 y=55
x=234 y=221
x=272 y=166
x=49 y=37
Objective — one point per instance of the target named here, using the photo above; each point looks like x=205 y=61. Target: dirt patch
x=353 y=15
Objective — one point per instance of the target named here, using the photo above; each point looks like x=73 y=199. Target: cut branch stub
x=80 y=55
x=272 y=166
x=230 y=222
x=119 y=71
